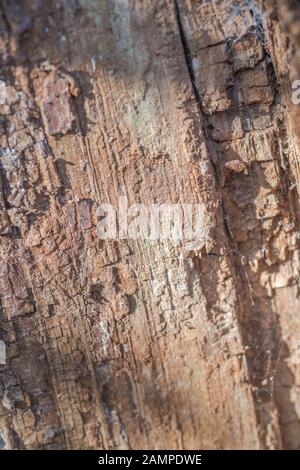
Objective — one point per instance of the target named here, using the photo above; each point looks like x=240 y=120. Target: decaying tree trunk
x=121 y=344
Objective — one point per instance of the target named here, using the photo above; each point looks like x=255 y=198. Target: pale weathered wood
x=136 y=343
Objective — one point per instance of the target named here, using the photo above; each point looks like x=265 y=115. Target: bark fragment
x=56 y=102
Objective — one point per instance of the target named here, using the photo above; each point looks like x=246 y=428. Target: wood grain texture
x=128 y=344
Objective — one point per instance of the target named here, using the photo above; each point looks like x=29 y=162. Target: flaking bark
x=130 y=343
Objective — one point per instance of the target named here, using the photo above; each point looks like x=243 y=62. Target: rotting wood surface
x=134 y=343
